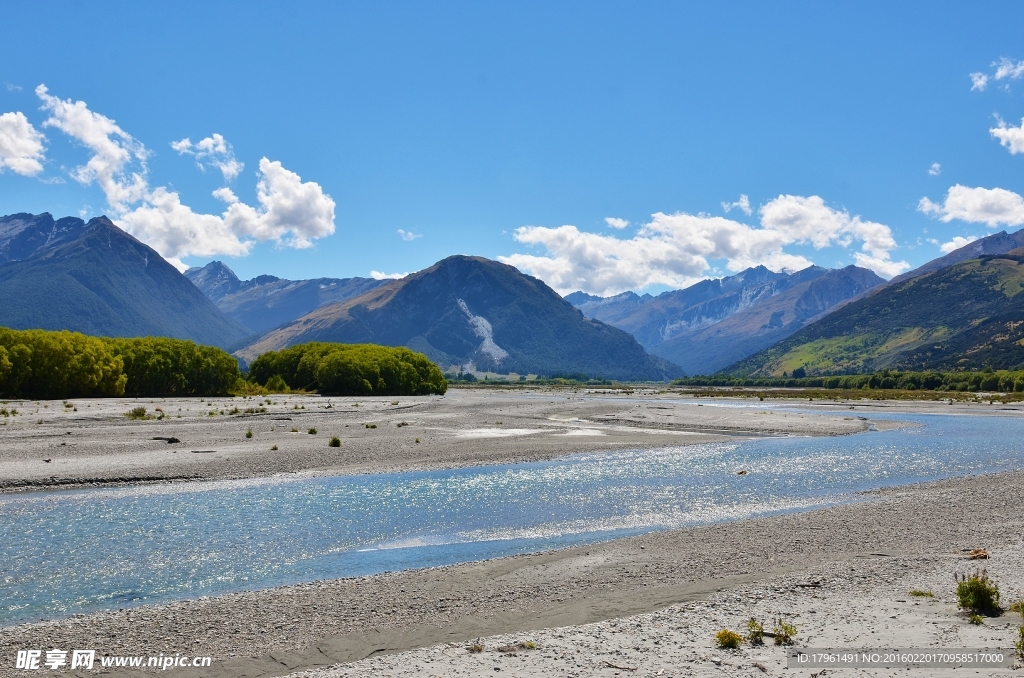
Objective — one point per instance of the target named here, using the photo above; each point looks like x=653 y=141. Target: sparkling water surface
x=65 y=552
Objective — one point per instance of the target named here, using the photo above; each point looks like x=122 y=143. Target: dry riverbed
x=646 y=605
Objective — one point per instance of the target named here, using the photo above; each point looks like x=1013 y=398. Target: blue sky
x=359 y=137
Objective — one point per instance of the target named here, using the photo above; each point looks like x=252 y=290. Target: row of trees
x=40 y=364
x=350 y=369
x=973 y=382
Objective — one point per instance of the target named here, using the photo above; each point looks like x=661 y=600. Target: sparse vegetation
x=727 y=639
x=370 y=425
x=755 y=632
x=417 y=441
x=475 y=647
x=1017 y=606
x=311 y=431
x=295 y=430
x=784 y=632
x=334 y=442
x=977 y=594
x=918 y=593
x=137 y=413
x=248 y=434
x=273 y=448
x=976 y=619
x=511 y=648
x=1019 y=645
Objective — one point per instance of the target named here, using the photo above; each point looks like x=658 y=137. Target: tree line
x=1006 y=381
x=350 y=369
x=40 y=364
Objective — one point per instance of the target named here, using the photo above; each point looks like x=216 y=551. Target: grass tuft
x=248 y=434
x=335 y=442
x=918 y=593
x=274 y=448
x=137 y=413
x=784 y=632
x=311 y=431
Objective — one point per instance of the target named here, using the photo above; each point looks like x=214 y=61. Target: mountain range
x=965 y=315
x=472 y=313
x=714 y=323
x=266 y=301
x=94 y=278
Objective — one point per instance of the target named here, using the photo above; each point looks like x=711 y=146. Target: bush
x=311 y=431
x=1019 y=645
x=728 y=639
x=784 y=632
x=136 y=413
x=335 y=442
x=248 y=434
x=755 y=632
x=978 y=594
x=350 y=369
x=276 y=384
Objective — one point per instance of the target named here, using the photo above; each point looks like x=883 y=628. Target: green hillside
x=966 y=316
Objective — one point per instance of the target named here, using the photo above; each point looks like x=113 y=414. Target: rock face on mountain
x=472 y=312
x=266 y=301
x=997 y=243
x=762 y=324
x=965 y=316
x=680 y=325
x=95 y=278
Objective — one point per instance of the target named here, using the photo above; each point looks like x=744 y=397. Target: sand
x=646 y=604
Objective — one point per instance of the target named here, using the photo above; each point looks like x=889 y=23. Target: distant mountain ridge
x=965 y=316
x=96 y=279
x=997 y=243
x=470 y=312
x=265 y=302
x=713 y=323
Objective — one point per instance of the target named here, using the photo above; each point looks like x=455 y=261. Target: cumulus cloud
x=675 y=249
x=21 y=145
x=1009 y=136
x=743 y=204
x=377 y=275
x=935 y=170
x=989 y=206
x=615 y=222
x=291 y=212
x=214 y=150
x=979 y=81
x=408 y=235
x=956 y=243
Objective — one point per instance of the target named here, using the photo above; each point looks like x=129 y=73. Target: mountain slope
x=965 y=316
x=266 y=301
x=466 y=310
x=709 y=349
x=95 y=278
x=997 y=243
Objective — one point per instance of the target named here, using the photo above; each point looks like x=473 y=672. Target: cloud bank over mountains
x=676 y=250
x=290 y=212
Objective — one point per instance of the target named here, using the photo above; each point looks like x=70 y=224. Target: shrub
x=1017 y=606
x=755 y=632
x=273 y=448
x=784 y=632
x=370 y=425
x=976 y=619
x=335 y=442
x=311 y=431
x=1019 y=645
x=728 y=639
x=417 y=440
x=978 y=594
x=248 y=434
x=277 y=384
x=136 y=413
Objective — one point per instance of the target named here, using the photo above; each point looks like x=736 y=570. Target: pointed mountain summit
x=95 y=278
x=475 y=313
x=267 y=301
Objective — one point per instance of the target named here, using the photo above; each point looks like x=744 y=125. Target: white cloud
x=674 y=249
x=989 y=206
x=1009 y=136
x=408 y=235
x=743 y=204
x=21 y=145
x=1008 y=69
x=215 y=150
x=935 y=170
x=377 y=275
x=113 y=149
x=290 y=212
x=1005 y=69
x=615 y=222
x=956 y=243
x=13 y=88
